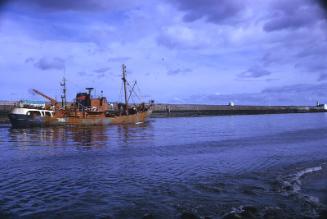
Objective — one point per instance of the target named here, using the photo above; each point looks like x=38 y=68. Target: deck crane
x=52 y=101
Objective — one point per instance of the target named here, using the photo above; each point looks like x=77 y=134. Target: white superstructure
x=32 y=112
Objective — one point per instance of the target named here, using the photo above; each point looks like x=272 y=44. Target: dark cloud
x=211 y=10
x=69 y=5
x=289 y=22
x=281 y=14
x=323 y=4
x=254 y=72
x=50 y=63
x=293 y=15
x=3 y=3
x=76 y=5
x=179 y=71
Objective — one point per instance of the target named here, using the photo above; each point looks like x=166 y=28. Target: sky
x=271 y=52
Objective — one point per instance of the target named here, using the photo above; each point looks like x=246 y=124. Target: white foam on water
x=237 y=210
x=296 y=179
x=291 y=185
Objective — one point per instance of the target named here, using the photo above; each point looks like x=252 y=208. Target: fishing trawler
x=85 y=110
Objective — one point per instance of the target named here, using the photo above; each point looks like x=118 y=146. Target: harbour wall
x=173 y=110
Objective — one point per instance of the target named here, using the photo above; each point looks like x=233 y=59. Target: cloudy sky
x=180 y=51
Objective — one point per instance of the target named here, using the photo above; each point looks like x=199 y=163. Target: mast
x=125 y=88
x=64 y=90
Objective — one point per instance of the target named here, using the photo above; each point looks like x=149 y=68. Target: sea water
x=256 y=166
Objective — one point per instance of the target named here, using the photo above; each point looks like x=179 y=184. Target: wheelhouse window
x=33 y=113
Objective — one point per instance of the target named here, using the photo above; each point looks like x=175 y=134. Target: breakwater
x=163 y=110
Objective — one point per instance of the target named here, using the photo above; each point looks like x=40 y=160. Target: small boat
x=85 y=110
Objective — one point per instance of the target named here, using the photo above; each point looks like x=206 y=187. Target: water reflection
x=92 y=136
x=89 y=136
x=38 y=136
x=125 y=135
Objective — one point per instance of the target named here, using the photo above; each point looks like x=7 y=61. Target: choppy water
x=251 y=166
